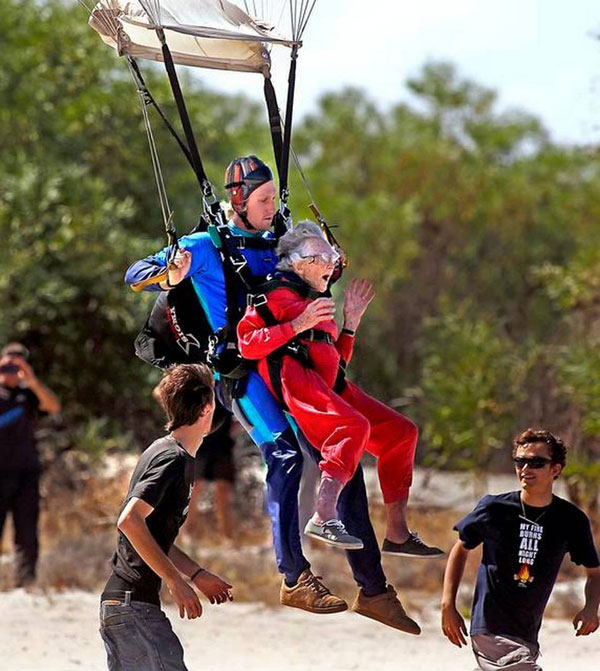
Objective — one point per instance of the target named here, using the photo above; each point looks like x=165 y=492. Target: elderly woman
x=291 y=330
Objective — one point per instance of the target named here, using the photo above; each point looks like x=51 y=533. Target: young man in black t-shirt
x=136 y=633
x=525 y=535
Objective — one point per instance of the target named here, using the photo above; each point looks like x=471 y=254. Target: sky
x=539 y=55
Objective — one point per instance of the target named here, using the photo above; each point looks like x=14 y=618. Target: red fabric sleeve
x=345 y=346
x=257 y=341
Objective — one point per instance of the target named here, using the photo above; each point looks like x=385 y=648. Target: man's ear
x=556 y=470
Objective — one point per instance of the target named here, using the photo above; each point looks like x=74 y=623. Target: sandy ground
x=59 y=633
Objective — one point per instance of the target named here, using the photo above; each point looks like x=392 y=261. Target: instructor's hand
x=186 y=599
x=214 y=588
x=321 y=309
x=453 y=626
x=183 y=262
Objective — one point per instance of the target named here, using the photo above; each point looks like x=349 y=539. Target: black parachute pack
x=177 y=329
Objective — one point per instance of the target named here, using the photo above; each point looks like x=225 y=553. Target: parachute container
x=213 y=34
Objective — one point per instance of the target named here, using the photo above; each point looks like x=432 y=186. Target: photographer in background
x=22 y=398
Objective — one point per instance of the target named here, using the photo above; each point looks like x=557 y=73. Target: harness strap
x=274 y=122
x=297 y=347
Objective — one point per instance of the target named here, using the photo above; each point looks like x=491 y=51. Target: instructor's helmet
x=242 y=177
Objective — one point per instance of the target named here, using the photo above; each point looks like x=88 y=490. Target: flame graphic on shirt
x=524 y=575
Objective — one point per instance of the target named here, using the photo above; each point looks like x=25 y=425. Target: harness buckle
x=256 y=300
x=239 y=265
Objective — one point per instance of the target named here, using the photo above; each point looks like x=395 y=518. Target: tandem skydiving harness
x=177 y=329
x=297 y=347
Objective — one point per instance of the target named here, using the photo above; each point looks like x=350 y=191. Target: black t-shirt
x=18 y=412
x=163 y=478
x=521 y=559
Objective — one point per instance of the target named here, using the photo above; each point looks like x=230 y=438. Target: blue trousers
x=281 y=446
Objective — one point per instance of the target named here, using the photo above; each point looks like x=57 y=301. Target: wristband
x=169 y=283
x=349 y=332
x=195 y=573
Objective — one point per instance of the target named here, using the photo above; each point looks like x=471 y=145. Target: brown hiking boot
x=387 y=609
x=310 y=594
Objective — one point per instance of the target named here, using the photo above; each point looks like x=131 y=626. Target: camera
x=10 y=368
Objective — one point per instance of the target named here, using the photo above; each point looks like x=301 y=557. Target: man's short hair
x=184 y=393
x=15 y=349
x=558 y=450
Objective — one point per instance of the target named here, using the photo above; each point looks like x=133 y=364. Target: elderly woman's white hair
x=295 y=242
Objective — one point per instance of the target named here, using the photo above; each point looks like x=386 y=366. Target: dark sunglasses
x=532 y=462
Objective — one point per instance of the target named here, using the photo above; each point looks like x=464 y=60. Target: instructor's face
x=260 y=208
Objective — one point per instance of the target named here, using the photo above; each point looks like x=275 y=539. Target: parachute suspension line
x=149 y=100
x=167 y=213
x=111 y=27
x=300 y=16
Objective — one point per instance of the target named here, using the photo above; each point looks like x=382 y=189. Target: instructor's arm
x=453 y=625
x=132 y=522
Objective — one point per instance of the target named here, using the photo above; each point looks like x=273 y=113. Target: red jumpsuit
x=341 y=426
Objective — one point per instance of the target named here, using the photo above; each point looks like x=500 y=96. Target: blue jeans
x=280 y=444
x=138 y=636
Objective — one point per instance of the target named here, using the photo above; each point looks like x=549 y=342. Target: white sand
x=59 y=633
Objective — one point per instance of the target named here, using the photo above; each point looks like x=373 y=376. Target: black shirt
x=521 y=559
x=163 y=478
x=18 y=412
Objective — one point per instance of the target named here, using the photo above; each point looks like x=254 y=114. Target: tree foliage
x=476 y=228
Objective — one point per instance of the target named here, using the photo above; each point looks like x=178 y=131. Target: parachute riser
x=211 y=205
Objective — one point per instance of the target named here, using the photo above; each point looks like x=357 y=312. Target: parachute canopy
x=214 y=34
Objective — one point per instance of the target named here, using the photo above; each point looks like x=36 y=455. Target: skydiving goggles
x=532 y=462
x=331 y=257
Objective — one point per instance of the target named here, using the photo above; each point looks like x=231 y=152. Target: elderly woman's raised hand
x=359 y=293
x=321 y=309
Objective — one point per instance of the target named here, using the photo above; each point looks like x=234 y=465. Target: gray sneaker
x=412 y=547
x=333 y=532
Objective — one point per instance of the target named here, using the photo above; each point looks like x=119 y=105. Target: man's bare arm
x=47 y=399
x=586 y=621
x=132 y=522
x=453 y=625
x=214 y=588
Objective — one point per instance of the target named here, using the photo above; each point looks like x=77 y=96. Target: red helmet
x=242 y=177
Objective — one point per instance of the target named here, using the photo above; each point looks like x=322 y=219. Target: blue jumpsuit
x=269 y=427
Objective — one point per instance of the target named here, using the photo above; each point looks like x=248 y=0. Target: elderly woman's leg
x=393 y=440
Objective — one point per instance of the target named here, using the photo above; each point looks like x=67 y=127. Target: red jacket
x=256 y=340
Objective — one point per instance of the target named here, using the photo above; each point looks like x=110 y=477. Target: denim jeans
x=138 y=636
x=504 y=652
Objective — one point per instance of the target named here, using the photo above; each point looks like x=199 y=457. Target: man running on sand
x=525 y=535
x=136 y=633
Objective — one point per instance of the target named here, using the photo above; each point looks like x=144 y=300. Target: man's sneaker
x=387 y=609
x=413 y=547
x=310 y=594
x=333 y=532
